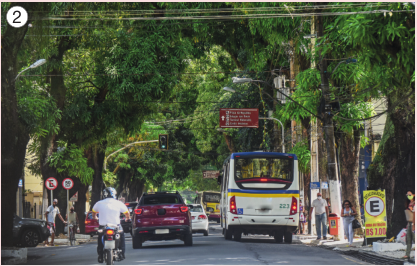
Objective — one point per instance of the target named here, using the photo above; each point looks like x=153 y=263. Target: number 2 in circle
x=14 y=21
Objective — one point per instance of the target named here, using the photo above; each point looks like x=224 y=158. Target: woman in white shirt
x=348 y=214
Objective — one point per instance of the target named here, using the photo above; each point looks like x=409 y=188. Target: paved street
x=213 y=249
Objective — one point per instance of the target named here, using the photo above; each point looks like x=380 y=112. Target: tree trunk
x=349 y=156
x=98 y=156
x=80 y=205
x=14 y=134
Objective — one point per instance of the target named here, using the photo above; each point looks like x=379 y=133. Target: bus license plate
x=162 y=231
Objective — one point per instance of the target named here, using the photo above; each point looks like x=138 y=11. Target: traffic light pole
x=138 y=142
x=334 y=187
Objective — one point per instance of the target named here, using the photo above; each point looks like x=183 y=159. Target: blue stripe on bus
x=255 y=191
x=261 y=154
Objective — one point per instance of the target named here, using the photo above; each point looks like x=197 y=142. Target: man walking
x=322 y=212
x=50 y=215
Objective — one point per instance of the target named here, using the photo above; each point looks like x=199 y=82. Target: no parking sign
x=375 y=213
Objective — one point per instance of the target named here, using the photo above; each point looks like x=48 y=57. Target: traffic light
x=163 y=141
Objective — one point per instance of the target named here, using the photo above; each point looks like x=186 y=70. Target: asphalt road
x=212 y=249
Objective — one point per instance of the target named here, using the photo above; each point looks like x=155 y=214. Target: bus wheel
x=237 y=236
x=278 y=236
x=228 y=234
x=288 y=237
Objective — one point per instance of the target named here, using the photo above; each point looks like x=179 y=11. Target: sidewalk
x=342 y=246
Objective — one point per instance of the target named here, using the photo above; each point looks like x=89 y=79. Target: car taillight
x=202 y=216
x=138 y=211
x=264 y=179
x=109 y=232
x=87 y=222
x=184 y=208
x=293 y=209
x=127 y=204
x=233 y=205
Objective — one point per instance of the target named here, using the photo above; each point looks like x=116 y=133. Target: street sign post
x=375 y=213
x=236 y=118
x=211 y=174
x=67 y=183
x=51 y=183
x=74 y=197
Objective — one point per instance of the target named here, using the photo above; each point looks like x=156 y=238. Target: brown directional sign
x=211 y=174
x=231 y=118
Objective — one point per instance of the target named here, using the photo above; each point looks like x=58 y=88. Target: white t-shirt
x=319 y=206
x=52 y=213
x=109 y=210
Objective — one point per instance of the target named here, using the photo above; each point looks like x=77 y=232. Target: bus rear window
x=267 y=168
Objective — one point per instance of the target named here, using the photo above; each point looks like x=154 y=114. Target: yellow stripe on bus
x=251 y=195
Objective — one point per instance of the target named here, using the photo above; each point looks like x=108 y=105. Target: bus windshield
x=274 y=168
x=211 y=197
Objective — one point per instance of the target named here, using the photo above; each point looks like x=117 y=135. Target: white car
x=199 y=219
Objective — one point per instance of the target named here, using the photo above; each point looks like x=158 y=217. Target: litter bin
x=333 y=224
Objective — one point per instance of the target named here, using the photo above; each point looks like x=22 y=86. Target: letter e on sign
x=374 y=206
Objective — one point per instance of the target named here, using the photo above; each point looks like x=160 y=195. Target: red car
x=161 y=216
x=91 y=225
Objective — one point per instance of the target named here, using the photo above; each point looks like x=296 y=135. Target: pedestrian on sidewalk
x=302 y=218
x=50 y=215
x=321 y=213
x=348 y=214
x=410 y=225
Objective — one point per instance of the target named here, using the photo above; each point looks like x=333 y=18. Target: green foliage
x=70 y=160
x=302 y=150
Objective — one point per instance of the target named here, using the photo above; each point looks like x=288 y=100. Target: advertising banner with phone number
x=375 y=213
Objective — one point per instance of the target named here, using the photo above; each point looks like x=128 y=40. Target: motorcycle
x=111 y=240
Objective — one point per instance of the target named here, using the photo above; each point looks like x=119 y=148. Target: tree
x=14 y=133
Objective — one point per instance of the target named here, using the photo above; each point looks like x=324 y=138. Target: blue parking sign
x=239 y=210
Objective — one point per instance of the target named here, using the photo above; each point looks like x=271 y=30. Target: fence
x=29 y=210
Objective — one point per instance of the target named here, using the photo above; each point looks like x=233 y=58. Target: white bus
x=260 y=195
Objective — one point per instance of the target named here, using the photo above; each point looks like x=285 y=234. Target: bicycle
x=71 y=234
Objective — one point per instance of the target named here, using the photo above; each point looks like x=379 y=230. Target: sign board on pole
x=75 y=197
x=314 y=185
x=51 y=183
x=375 y=213
x=67 y=183
x=211 y=174
x=20 y=183
x=236 y=118
x=324 y=185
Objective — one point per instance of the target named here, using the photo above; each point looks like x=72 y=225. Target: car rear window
x=166 y=199
x=195 y=208
x=90 y=215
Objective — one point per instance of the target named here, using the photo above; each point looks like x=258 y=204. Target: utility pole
x=334 y=187
x=314 y=172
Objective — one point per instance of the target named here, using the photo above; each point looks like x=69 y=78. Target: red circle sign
x=67 y=183
x=51 y=183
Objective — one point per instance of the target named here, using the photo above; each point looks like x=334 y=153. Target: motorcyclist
x=109 y=210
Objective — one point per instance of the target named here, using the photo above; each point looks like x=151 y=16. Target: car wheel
x=278 y=236
x=288 y=237
x=30 y=238
x=188 y=240
x=237 y=236
x=228 y=234
x=206 y=232
x=136 y=242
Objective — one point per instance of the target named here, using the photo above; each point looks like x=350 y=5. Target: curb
x=12 y=255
